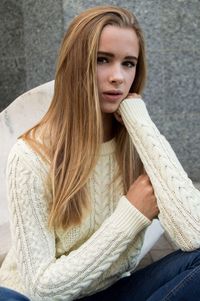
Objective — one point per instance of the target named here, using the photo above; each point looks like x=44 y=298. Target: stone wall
x=31 y=33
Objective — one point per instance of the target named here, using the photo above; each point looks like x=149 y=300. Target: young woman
x=86 y=182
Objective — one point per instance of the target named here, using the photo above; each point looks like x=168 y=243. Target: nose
x=116 y=75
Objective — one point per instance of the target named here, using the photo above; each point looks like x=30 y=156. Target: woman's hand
x=133 y=95
x=118 y=117
x=117 y=114
x=141 y=195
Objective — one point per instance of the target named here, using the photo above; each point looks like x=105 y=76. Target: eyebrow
x=129 y=57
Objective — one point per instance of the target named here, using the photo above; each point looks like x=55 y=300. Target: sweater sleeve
x=45 y=276
x=178 y=200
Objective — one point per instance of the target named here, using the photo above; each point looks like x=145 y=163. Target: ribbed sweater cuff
x=135 y=109
x=128 y=218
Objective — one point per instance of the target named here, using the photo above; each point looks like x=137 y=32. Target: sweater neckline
x=108 y=147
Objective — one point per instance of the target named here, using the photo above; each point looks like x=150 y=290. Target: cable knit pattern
x=178 y=200
x=66 y=265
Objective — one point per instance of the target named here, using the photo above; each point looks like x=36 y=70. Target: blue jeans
x=7 y=294
x=175 y=277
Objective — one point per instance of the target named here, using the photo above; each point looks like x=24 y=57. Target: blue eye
x=102 y=60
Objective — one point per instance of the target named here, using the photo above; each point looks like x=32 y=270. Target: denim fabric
x=10 y=295
x=175 y=277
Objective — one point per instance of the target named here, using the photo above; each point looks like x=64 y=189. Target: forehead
x=116 y=39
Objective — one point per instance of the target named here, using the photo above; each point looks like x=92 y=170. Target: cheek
x=131 y=78
x=99 y=77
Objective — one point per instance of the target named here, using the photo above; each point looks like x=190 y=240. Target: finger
x=133 y=95
x=118 y=117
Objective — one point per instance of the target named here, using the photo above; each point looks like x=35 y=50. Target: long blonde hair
x=72 y=127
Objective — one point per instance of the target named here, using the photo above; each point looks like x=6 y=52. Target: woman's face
x=116 y=65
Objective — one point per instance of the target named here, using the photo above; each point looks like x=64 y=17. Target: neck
x=108 y=132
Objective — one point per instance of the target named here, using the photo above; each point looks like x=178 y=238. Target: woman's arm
x=45 y=276
x=178 y=200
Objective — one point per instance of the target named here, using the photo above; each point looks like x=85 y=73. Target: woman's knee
x=193 y=258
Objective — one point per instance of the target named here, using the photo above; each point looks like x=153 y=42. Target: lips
x=113 y=92
x=112 y=95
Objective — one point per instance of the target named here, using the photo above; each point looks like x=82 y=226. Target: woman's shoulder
x=22 y=149
x=23 y=153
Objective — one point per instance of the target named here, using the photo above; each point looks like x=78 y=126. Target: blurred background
x=31 y=32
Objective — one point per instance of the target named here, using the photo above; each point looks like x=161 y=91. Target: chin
x=109 y=108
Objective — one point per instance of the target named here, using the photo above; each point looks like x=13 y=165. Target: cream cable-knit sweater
x=66 y=265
